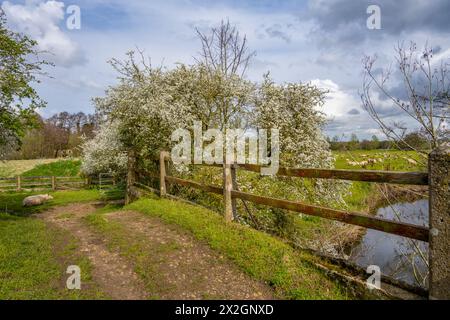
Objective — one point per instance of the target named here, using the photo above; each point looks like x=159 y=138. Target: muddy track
x=185 y=267
x=112 y=273
x=180 y=267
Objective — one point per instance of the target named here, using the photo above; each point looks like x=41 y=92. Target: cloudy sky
x=316 y=41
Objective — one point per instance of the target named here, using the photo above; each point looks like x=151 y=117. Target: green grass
x=33 y=262
x=61 y=168
x=34 y=257
x=391 y=160
x=12 y=202
x=358 y=195
x=260 y=255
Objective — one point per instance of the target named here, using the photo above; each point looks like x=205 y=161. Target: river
x=393 y=254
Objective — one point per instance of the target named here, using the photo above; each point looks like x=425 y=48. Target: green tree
x=415 y=141
x=19 y=68
x=353 y=144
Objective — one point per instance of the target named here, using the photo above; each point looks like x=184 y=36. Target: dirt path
x=180 y=266
x=113 y=274
x=185 y=267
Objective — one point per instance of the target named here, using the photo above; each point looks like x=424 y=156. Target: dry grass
x=12 y=168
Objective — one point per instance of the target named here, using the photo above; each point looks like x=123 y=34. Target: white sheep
x=36 y=200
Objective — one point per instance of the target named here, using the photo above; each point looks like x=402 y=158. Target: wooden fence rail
x=41 y=183
x=355 y=218
x=438 y=177
x=414 y=178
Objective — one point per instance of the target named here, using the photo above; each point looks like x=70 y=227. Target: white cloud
x=373 y=131
x=345 y=113
x=338 y=103
x=41 y=22
x=440 y=57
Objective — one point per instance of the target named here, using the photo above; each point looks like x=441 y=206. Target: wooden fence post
x=131 y=176
x=162 y=173
x=439 y=209
x=227 y=188
x=234 y=187
x=53 y=183
x=19 y=183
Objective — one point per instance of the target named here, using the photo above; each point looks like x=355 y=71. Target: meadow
x=366 y=196
x=39 y=167
x=13 y=168
x=389 y=160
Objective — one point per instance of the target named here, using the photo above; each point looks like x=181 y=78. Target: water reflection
x=396 y=255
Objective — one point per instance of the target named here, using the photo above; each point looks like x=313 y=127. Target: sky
x=319 y=42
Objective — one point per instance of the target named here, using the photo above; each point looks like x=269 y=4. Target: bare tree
x=425 y=98
x=226 y=57
x=224 y=50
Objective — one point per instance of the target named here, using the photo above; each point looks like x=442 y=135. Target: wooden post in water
x=53 y=183
x=162 y=173
x=19 y=183
x=439 y=236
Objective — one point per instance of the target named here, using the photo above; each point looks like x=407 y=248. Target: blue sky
x=319 y=41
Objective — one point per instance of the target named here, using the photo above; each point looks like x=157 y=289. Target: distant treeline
x=411 y=141
x=57 y=136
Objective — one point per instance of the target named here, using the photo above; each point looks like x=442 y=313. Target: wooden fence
x=43 y=183
x=438 y=180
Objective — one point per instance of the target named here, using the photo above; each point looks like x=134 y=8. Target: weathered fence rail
x=415 y=178
x=355 y=218
x=437 y=178
x=41 y=183
x=36 y=183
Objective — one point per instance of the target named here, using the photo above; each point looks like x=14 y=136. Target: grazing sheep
x=411 y=161
x=36 y=200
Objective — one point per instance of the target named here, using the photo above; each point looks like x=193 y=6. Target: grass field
x=390 y=160
x=33 y=257
x=40 y=167
x=11 y=202
x=61 y=168
x=13 y=168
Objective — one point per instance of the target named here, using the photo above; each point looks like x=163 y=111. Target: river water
x=393 y=254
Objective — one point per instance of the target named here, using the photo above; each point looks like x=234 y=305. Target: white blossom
x=104 y=153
